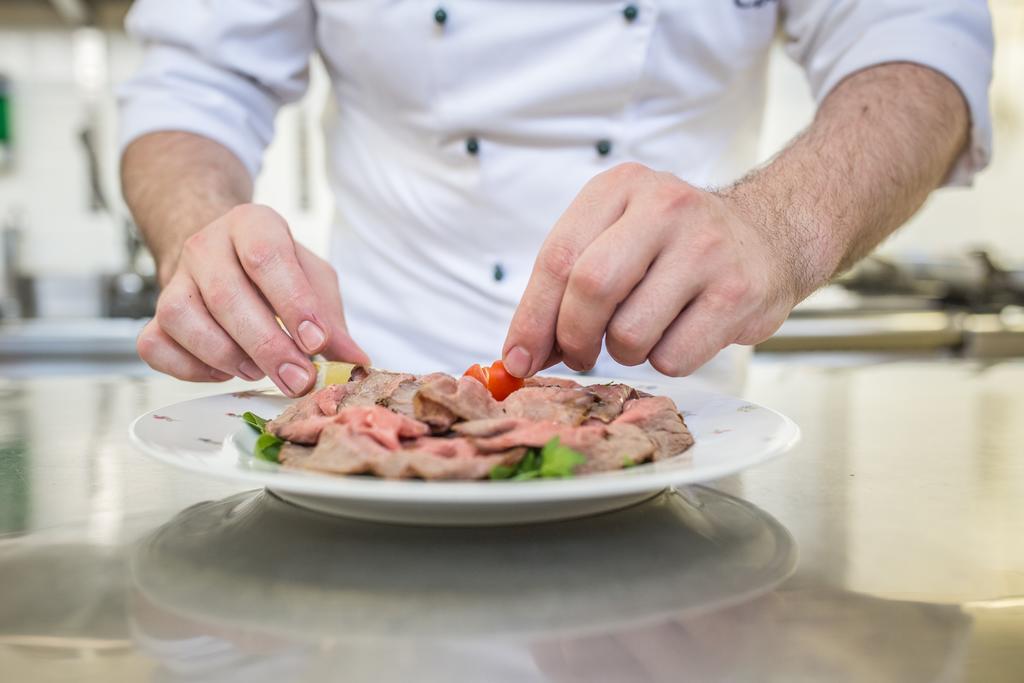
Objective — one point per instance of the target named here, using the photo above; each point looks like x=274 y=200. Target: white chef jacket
x=460 y=130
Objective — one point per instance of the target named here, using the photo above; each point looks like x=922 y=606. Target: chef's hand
x=663 y=271
x=215 y=318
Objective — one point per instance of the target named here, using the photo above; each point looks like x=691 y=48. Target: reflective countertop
x=889 y=546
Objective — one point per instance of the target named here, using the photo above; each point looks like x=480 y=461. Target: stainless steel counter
x=902 y=511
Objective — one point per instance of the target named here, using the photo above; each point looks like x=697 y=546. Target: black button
x=472 y=145
x=604 y=147
x=630 y=12
x=440 y=16
x=499 y=272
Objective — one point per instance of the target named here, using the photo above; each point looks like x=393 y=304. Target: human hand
x=216 y=316
x=662 y=270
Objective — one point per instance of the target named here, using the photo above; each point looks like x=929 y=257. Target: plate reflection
x=252 y=585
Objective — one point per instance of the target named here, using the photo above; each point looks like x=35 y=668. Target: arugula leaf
x=267 y=447
x=503 y=471
x=558 y=460
x=628 y=462
x=527 y=468
x=530 y=462
x=553 y=461
x=255 y=421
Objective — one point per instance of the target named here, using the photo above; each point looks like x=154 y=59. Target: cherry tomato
x=478 y=373
x=501 y=383
x=496 y=378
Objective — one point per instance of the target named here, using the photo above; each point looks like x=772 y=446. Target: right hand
x=215 y=318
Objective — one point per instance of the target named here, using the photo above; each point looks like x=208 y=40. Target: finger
x=703 y=329
x=671 y=282
x=664 y=648
x=604 y=275
x=554 y=358
x=268 y=255
x=183 y=316
x=588 y=658
x=165 y=355
x=601 y=202
x=323 y=278
x=239 y=309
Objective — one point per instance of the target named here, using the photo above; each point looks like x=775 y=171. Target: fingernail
x=250 y=371
x=219 y=376
x=518 y=361
x=294 y=377
x=312 y=337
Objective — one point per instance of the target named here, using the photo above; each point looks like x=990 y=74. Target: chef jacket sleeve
x=835 y=38
x=219 y=69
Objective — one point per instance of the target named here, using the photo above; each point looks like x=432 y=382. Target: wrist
x=803 y=247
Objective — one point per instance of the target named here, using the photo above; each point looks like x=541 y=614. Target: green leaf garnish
x=530 y=462
x=255 y=421
x=553 y=461
x=267 y=447
x=503 y=472
x=558 y=460
x=628 y=462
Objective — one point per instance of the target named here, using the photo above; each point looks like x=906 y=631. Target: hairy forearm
x=880 y=142
x=175 y=183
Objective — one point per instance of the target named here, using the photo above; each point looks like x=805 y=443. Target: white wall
x=48 y=183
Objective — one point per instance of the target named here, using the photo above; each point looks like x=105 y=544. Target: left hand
x=659 y=269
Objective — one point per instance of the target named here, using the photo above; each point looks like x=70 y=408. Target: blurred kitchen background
x=75 y=281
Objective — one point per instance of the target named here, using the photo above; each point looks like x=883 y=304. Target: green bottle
x=6 y=148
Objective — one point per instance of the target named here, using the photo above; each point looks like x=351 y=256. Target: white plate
x=207 y=436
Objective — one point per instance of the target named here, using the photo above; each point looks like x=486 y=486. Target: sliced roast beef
x=343 y=450
x=659 y=418
x=401 y=399
x=609 y=400
x=566 y=405
x=376 y=387
x=623 y=445
x=414 y=462
x=534 y=434
x=302 y=421
x=605 y=447
x=542 y=381
x=384 y=426
x=447 y=400
x=397 y=425
x=329 y=398
x=486 y=428
x=359 y=373
x=292 y=453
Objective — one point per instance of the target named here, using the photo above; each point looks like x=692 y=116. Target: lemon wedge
x=330 y=372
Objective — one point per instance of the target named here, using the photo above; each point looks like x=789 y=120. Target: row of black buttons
x=603 y=147
x=630 y=12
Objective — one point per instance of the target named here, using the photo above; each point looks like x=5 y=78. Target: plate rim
x=405 y=492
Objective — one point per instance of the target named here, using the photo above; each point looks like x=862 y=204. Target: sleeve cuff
x=174 y=93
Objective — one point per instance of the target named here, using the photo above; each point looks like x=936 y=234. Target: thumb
x=324 y=280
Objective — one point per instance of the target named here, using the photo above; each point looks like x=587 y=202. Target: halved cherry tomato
x=501 y=383
x=478 y=373
x=496 y=378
